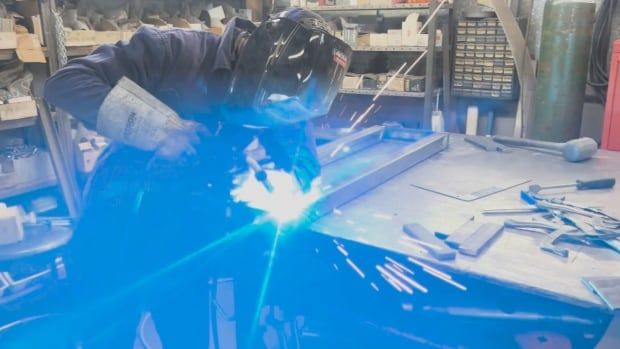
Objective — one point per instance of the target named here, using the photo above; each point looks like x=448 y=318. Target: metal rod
x=68 y=184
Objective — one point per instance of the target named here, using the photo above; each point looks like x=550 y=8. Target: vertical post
x=447 y=66
x=60 y=151
x=68 y=186
x=429 y=90
x=47 y=23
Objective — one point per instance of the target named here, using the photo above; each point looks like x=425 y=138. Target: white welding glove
x=131 y=115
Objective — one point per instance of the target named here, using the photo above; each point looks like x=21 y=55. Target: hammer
x=574 y=151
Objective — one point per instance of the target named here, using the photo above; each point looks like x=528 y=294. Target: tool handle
x=603 y=183
x=522 y=142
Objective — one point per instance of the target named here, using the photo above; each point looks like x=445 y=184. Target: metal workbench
x=375 y=219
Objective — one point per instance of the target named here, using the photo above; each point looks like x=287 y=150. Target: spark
x=407 y=279
x=356 y=268
x=388 y=275
x=342 y=250
x=338 y=148
x=438 y=274
x=407 y=306
x=427 y=268
x=400 y=265
x=430 y=18
x=373 y=285
x=335 y=266
x=385 y=86
x=352 y=116
x=360 y=118
x=416 y=62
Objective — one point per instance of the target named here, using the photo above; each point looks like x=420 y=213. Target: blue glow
x=286 y=203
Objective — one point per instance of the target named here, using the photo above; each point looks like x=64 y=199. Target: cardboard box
x=397 y=83
x=395 y=37
x=352 y=81
x=378 y=39
x=19 y=110
x=363 y=40
x=8 y=40
x=92 y=38
x=410 y=29
x=380 y=2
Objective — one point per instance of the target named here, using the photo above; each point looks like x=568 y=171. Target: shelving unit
x=384 y=93
x=391 y=48
x=334 y=8
x=19 y=123
x=402 y=10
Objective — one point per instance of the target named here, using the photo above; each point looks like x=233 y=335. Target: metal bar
x=68 y=184
x=521 y=54
x=446 y=65
x=430 y=69
x=350 y=144
x=47 y=22
x=361 y=183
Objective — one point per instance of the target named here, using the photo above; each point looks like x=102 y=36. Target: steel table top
x=376 y=217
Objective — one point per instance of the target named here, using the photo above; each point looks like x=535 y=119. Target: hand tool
x=480 y=239
x=259 y=173
x=603 y=183
x=574 y=151
x=487 y=143
x=429 y=242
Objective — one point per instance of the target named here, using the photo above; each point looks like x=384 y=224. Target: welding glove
x=133 y=116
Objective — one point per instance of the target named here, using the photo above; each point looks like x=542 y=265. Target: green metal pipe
x=563 y=69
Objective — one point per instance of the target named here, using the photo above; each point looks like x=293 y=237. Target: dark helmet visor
x=288 y=72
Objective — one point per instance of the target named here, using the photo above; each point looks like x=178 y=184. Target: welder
x=161 y=192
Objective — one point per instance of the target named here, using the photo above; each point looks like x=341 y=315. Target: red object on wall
x=611 y=127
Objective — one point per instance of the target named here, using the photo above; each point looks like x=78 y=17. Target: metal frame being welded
x=417 y=146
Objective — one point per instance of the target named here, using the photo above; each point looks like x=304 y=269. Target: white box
x=377 y=39
x=11 y=228
x=410 y=29
x=395 y=37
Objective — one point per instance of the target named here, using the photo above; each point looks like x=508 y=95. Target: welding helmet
x=289 y=71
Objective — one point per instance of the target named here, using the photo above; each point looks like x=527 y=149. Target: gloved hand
x=181 y=141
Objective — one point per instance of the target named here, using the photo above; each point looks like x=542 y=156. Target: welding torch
x=260 y=173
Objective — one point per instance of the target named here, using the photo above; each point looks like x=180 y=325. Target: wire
x=601 y=36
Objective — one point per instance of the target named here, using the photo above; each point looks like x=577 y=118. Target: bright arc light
x=285 y=204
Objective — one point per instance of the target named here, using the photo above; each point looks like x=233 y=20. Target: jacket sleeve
x=293 y=149
x=81 y=86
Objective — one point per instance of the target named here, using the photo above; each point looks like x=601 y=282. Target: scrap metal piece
x=429 y=242
x=510 y=211
x=548 y=243
x=462 y=233
x=487 y=144
x=480 y=239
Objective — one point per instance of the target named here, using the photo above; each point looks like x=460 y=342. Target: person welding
x=181 y=108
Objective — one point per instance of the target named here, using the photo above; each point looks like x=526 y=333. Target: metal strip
x=66 y=178
x=349 y=144
x=363 y=182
